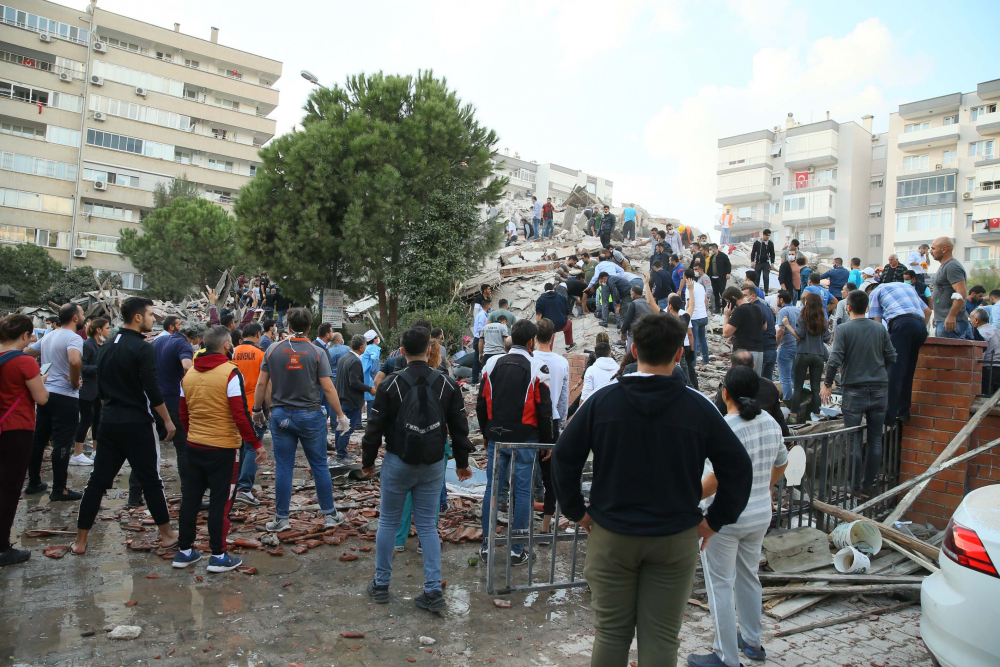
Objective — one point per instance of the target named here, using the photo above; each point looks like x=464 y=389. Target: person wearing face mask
x=213 y=411
x=98 y=331
x=788 y=275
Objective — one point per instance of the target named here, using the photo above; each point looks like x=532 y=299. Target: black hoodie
x=650 y=436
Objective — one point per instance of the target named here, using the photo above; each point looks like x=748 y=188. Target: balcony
x=812 y=183
x=743 y=194
x=951 y=166
x=40 y=65
x=988 y=124
x=28 y=111
x=943 y=135
x=986 y=191
x=220 y=200
x=816 y=157
x=53 y=35
x=744 y=163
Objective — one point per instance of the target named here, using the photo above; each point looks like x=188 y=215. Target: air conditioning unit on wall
x=100 y=47
x=141 y=92
x=99 y=115
x=96 y=80
x=64 y=76
x=44 y=37
x=966 y=195
x=79 y=253
x=100 y=185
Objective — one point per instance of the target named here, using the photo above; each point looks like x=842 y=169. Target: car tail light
x=963 y=546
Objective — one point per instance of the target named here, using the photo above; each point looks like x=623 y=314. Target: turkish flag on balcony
x=994 y=223
x=801 y=179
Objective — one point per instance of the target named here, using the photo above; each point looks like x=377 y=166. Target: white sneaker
x=80 y=460
x=277 y=526
x=247 y=497
x=333 y=520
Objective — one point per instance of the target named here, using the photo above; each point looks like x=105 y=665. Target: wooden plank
x=902 y=539
x=842 y=578
x=931 y=472
x=847 y=618
x=946 y=454
x=839 y=590
x=909 y=554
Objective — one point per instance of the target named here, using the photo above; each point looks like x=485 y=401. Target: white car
x=959 y=604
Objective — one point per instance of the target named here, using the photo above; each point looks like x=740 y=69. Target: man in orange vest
x=214 y=411
x=726 y=225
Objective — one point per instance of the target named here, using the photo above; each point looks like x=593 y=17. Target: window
x=107 y=211
x=877 y=183
x=951 y=120
x=132 y=77
x=163 y=56
x=875 y=241
x=62 y=136
x=976 y=112
x=826 y=234
x=220 y=165
x=968 y=221
x=182 y=157
x=775 y=208
x=13 y=234
x=795 y=204
x=117 y=142
x=977 y=252
x=590 y=186
x=919 y=221
x=825 y=176
x=949 y=157
x=25 y=93
x=916 y=162
x=229 y=104
x=97 y=242
x=981 y=149
x=192 y=63
x=925 y=191
x=36 y=202
x=141 y=113
x=916 y=127
x=970 y=184
x=38 y=23
x=776 y=179
x=124 y=180
x=27 y=164
x=124 y=45
x=878 y=152
x=49 y=239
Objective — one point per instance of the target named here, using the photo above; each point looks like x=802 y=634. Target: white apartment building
x=813 y=182
x=945 y=167
x=547 y=180
x=97 y=108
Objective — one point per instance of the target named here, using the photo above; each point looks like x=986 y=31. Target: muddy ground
x=294 y=609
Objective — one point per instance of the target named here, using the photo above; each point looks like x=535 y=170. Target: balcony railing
x=200 y=67
x=986 y=189
x=989 y=155
x=25 y=26
x=810 y=183
x=217 y=198
x=744 y=190
x=827 y=151
x=42 y=65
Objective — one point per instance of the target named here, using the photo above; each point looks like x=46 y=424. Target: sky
x=635 y=91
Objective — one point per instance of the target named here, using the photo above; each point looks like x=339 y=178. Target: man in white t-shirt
x=511 y=232
x=57 y=420
x=697 y=305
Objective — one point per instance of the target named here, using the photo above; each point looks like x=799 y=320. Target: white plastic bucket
x=861 y=535
x=851 y=561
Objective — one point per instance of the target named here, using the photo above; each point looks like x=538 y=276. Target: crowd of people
x=215 y=389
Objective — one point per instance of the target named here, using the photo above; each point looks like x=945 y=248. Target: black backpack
x=421 y=429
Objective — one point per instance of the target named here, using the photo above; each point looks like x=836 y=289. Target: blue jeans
x=724 y=236
x=248 y=467
x=963 y=331
x=786 y=361
x=699 y=327
x=548 y=228
x=537 y=223
x=281 y=318
x=289 y=427
x=354 y=414
x=521 y=511
x=424 y=482
x=770 y=357
x=403 y=532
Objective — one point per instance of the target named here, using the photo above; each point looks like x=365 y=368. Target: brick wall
x=577 y=367
x=945 y=388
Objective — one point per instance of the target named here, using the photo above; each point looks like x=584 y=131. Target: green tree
x=28 y=270
x=183 y=246
x=446 y=244
x=75 y=282
x=337 y=200
x=179 y=188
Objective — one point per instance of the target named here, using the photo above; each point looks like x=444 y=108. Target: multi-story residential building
x=547 y=180
x=812 y=182
x=97 y=108
x=945 y=167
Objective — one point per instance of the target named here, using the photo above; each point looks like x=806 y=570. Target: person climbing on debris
x=607 y=226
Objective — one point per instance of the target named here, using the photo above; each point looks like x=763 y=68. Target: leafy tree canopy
x=339 y=199
x=75 y=282
x=28 y=270
x=183 y=246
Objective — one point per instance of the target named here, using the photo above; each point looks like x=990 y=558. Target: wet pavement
x=294 y=609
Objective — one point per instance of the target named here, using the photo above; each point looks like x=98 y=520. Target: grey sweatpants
x=730 y=563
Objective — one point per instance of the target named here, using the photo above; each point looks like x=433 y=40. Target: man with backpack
x=415 y=410
x=514 y=405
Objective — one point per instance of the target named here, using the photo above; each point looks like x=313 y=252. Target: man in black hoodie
x=643 y=518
